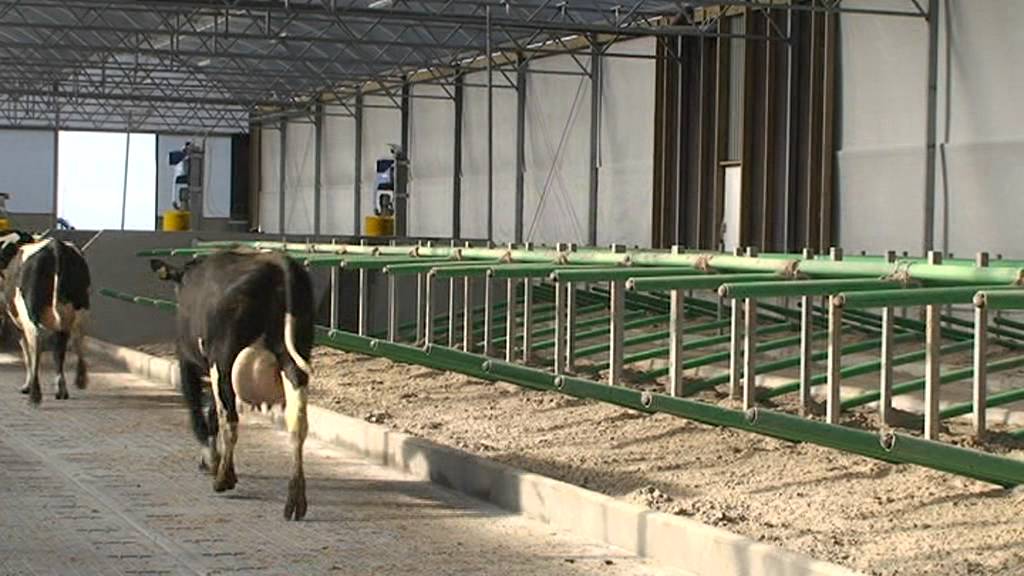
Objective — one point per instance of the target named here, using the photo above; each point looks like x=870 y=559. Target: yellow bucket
x=5 y=224
x=379 y=225
x=176 y=221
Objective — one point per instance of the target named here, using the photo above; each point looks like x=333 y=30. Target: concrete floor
x=106 y=483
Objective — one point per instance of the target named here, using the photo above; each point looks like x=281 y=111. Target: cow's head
x=10 y=242
x=165 y=271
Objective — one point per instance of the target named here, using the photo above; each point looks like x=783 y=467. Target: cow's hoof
x=209 y=460
x=225 y=481
x=35 y=396
x=295 y=508
x=81 y=381
x=24 y=389
x=62 y=395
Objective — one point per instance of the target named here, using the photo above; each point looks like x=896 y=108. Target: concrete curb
x=666 y=539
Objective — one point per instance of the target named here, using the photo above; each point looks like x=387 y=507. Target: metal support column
x=364 y=297
x=490 y=130
x=522 y=75
x=318 y=153
x=595 y=132
x=806 y=346
x=618 y=310
x=675 y=345
x=488 y=315
x=467 y=315
x=749 y=344
x=527 y=319
x=428 y=320
x=933 y=340
x=749 y=353
x=452 y=315
x=931 y=125
x=888 y=348
x=457 y=159
x=835 y=345
x=392 y=308
x=570 y=325
x=335 y=270
x=420 y=308
x=979 y=394
x=511 y=319
x=357 y=194
x=282 y=153
x=560 y=317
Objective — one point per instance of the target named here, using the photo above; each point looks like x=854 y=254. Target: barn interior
x=794 y=218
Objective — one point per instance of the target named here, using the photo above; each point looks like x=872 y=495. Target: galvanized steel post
x=933 y=340
x=511 y=320
x=806 y=345
x=833 y=406
x=735 y=343
x=363 y=297
x=467 y=314
x=675 y=344
x=527 y=313
x=749 y=345
x=979 y=394
x=886 y=376
x=428 y=320
x=617 y=304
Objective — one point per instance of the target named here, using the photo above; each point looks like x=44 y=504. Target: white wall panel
x=880 y=166
x=381 y=126
x=432 y=147
x=26 y=170
x=270 y=143
x=626 y=147
x=299 y=178
x=474 y=158
x=338 y=167
x=557 y=153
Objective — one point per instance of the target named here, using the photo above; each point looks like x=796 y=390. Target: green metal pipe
x=1001 y=300
x=794 y=361
x=961 y=275
x=911 y=296
x=652 y=337
x=420 y=267
x=1009 y=323
x=783 y=287
x=946 y=378
x=694 y=344
x=707 y=282
x=865 y=368
x=598 y=321
x=767 y=346
x=893 y=447
x=603 y=331
x=619 y=273
x=999 y=399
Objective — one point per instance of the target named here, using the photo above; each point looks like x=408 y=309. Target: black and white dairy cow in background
x=245 y=318
x=45 y=291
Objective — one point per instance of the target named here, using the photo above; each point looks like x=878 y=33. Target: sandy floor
x=869 y=515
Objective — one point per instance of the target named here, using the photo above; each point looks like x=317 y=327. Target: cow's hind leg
x=220 y=383
x=77 y=337
x=60 y=347
x=35 y=395
x=204 y=426
x=295 y=390
x=24 y=360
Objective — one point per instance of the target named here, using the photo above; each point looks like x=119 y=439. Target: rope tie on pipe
x=415 y=252
x=562 y=259
x=792 y=270
x=1020 y=277
x=506 y=258
x=703 y=263
x=902 y=276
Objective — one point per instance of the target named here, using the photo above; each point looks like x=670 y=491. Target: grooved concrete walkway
x=106 y=483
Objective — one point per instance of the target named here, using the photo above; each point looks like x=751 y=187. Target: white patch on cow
x=53 y=302
x=9 y=238
x=289 y=343
x=199 y=344
x=215 y=387
x=254 y=376
x=29 y=250
x=29 y=331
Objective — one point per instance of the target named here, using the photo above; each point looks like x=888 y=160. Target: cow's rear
x=245 y=320
x=46 y=291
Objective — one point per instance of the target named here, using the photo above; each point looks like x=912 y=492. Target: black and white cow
x=245 y=319
x=46 y=292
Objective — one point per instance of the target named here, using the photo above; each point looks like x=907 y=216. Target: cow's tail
x=298 y=321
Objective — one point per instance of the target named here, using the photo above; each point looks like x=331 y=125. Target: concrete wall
x=882 y=130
